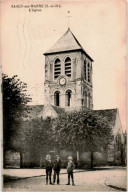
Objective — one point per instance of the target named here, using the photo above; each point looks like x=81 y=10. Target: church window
x=68 y=97
x=88 y=73
x=85 y=70
x=68 y=67
x=57 y=98
x=57 y=68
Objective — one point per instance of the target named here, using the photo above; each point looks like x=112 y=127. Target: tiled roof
x=58 y=109
x=67 y=42
x=110 y=114
x=36 y=111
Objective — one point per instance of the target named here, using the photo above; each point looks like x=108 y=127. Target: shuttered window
x=57 y=68
x=68 y=67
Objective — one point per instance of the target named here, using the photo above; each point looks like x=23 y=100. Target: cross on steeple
x=69 y=18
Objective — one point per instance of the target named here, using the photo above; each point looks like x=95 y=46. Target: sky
x=99 y=26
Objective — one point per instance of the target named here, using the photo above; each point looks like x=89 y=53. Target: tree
x=33 y=136
x=82 y=130
x=15 y=102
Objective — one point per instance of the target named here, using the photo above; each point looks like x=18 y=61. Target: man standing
x=48 y=165
x=70 y=168
x=56 y=168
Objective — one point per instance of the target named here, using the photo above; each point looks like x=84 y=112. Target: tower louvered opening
x=57 y=68
x=68 y=67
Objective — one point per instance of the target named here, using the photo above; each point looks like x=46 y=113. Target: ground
x=96 y=180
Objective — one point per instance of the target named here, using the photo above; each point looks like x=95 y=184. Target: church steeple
x=67 y=42
x=68 y=74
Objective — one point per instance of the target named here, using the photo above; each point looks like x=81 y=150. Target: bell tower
x=68 y=75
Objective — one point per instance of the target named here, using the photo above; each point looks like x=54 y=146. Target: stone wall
x=36 y=160
x=12 y=159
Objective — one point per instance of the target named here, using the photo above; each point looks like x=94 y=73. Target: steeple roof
x=67 y=42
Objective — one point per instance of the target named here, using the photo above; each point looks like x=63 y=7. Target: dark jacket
x=57 y=165
x=48 y=165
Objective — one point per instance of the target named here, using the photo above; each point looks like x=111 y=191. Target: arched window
x=88 y=73
x=68 y=97
x=68 y=67
x=57 y=68
x=85 y=70
x=57 y=98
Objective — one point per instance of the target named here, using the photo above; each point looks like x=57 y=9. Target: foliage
x=33 y=135
x=15 y=102
x=82 y=130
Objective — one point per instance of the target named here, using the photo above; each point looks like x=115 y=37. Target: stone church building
x=68 y=87
x=68 y=75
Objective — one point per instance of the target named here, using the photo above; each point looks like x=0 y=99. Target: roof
x=59 y=110
x=67 y=42
x=110 y=114
x=36 y=111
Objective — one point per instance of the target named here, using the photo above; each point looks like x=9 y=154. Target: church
x=68 y=74
x=68 y=87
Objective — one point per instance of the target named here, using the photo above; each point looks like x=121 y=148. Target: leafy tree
x=15 y=102
x=33 y=136
x=84 y=130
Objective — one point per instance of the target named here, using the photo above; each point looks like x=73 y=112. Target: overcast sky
x=99 y=26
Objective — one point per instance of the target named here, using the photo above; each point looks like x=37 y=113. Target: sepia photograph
x=63 y=89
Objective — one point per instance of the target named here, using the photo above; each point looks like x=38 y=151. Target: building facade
x=68 y=75
x=68 y=87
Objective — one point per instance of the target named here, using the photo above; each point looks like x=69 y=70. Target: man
x=56 y=168
x=70 y=168
x=48 y=166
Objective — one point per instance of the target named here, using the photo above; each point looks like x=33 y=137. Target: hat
x=70 y=158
